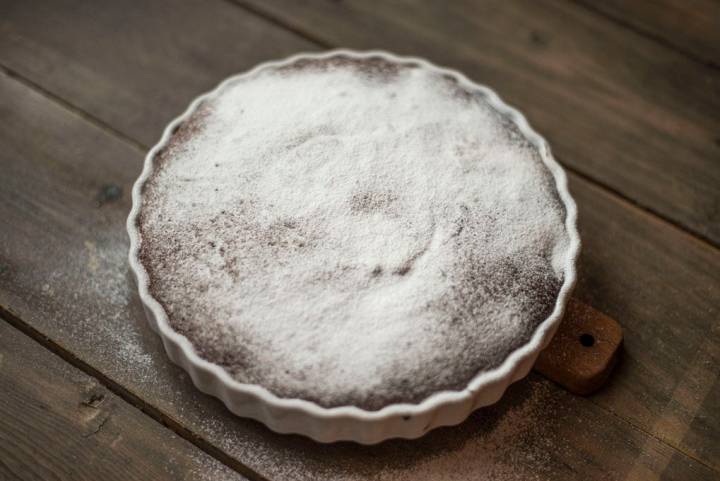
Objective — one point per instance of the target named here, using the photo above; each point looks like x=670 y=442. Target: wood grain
x=63 y=271
x=66 y=189
x=135 y=64
x=692 y=26
x=617 y=107
x=663 y=286
x=58 y=423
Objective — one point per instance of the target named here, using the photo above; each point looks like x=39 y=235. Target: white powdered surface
x=353 y=233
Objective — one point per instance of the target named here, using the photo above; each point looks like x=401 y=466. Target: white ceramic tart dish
x=353 y=245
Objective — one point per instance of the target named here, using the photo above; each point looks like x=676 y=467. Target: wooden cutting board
x=584 y=350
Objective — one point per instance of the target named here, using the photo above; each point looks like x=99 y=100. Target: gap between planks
x=299 y=31
x=72 y=108
x=644 y=33
x=278 y=22
x=128 y=396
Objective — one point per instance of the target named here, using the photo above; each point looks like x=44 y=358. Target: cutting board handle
x=584 y=350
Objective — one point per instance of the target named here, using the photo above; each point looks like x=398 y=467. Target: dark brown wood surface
x=134 y=65
x=690 y=26
x=58 y=423
x=87 y=86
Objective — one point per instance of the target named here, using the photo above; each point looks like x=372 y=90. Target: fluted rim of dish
x=225 y=387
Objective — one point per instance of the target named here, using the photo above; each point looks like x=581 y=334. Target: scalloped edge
x=351 y=423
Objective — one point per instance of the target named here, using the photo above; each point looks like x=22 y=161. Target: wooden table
x=629 y=97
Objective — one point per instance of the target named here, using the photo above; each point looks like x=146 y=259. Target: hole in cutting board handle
x=587 y=340
x=584 y=350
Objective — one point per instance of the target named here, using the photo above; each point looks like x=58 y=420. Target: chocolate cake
x=352 y=231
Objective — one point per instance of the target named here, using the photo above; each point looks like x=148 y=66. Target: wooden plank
x=59 y=423
x=692 y=26
x=664 y=288
x=617 y=107
x=63 y=271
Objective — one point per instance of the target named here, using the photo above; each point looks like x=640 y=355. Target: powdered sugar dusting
x=520 y=438
x=105 y=308
x=352 y=232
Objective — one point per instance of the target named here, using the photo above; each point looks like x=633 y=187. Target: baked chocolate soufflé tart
x=354 y=230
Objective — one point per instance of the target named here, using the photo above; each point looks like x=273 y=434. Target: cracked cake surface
x=352 y=232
